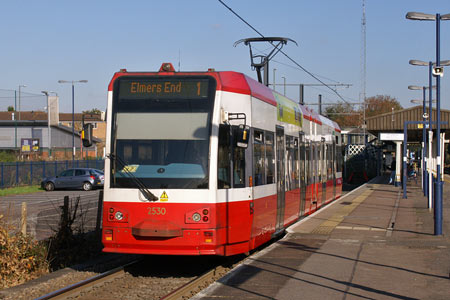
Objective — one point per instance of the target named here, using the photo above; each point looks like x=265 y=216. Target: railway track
x=133 y=281
x=75 y=289
x=194 y=286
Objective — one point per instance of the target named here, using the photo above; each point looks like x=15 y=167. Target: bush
x=21 y=258
x=8 y=156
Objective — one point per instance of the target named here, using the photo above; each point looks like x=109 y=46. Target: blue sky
x=48 y=40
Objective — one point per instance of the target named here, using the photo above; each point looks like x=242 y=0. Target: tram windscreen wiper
x=145 y=192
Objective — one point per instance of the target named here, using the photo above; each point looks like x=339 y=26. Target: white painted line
x=378 y=229
x=344 y=227
x=361 y=228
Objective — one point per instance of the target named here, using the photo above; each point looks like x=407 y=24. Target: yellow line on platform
x=329 y=225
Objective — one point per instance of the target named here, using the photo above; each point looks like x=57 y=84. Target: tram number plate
x=156 y=211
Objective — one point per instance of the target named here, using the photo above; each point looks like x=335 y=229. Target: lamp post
x=20 y=86
x=49 y=135
x=430 y=87
x=73 y=110
x=15 y=120
x=438 y=215
x=424 y=137
x=284 y=84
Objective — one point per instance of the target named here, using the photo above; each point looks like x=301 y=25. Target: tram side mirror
x=86 y=135
x=243 y=136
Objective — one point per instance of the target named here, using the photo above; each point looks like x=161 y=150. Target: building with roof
x=33 y=135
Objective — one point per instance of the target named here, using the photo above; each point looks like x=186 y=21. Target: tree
x=11 y=108
x=343 y=113
x=381 y=104
x=93 y=111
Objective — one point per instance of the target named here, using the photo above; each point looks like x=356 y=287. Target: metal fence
x=361 y=163
x=40 y=215
x=32 y=172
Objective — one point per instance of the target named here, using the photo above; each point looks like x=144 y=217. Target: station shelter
x=393 y=124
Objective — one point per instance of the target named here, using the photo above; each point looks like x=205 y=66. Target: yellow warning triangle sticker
x=164 y=197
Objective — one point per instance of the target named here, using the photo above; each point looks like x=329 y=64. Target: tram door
x=315 y=176
x=333 y=155
x=324 y=171
x=280 y=178
x=302 y=173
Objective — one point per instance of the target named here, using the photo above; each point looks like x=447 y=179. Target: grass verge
x=20 y=190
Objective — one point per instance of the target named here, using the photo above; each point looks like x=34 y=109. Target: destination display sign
x=157 y=88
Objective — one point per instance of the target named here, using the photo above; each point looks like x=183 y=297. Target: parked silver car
x=84 y=178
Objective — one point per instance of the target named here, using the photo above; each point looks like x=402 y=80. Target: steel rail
x=78 y=287
x=190 y=289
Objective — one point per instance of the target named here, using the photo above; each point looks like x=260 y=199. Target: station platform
x=370 y=244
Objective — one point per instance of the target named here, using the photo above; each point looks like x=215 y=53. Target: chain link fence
x=22 y=101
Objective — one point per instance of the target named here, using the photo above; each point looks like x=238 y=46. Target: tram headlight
x=196 y=217
x=118 y=216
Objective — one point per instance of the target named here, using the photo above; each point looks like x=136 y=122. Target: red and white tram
x=210 y=163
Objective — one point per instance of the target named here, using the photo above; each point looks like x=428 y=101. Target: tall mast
x=362 y=95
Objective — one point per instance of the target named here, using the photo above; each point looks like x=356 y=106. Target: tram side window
x=259 y=157
x=332 y=160
x=289 y=171
x=339 y=158
x=329 y=162
x=238 y=154
x=270 y=158
x=223 y=163
x=292 y=163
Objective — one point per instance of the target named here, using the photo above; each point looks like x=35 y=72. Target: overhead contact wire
x=287 y=56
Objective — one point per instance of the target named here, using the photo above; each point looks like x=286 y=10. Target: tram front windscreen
x=161 y=128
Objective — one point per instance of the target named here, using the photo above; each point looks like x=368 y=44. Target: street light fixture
x=416 y=87
x=416 y=62
x=73 y=110
x=49 y=134
x=417 y=101
x=438 y=214
x=426 y=17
